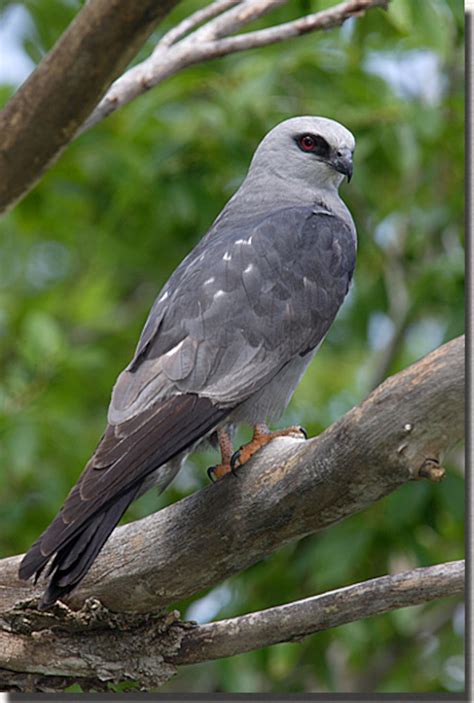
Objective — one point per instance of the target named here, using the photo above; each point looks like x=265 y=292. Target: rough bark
x=48 y=109
x=50 y=651
x=290 y=489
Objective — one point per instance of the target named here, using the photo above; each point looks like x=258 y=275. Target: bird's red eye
x=307 y=142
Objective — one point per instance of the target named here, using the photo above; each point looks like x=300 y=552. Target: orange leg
x=261 y=436
x=225 y=445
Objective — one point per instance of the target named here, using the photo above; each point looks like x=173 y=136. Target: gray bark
x=293 y=622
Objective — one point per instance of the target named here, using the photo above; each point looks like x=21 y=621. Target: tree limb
x=294 y=621
x=290 y=489
x=194 y=20
x=44 y=115
x=83 y=647
x=51 y=107
x=212 y=41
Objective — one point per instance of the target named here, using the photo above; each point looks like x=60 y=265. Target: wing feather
x=276 y=286
x=171 y=429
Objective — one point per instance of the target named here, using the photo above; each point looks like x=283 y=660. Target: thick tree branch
x=290 y=489
x=83 y=647
x=51 y=107
x=46 y=112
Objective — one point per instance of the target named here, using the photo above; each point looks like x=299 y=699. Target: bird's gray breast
x=270 y=402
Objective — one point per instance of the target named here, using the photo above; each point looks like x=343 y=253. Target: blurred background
x=83 y=256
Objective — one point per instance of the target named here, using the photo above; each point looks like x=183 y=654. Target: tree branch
x=294 y=621
x=194 y=20
x=51 y=107
x=291 y=488
x=46 y=112
x=83 y=647
x=207 y=42
x=234 y=19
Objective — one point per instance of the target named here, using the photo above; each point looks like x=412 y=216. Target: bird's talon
x=215 y=473
x=303 y=432
x=233 y=461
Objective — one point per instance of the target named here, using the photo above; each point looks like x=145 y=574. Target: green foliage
x=83 y=256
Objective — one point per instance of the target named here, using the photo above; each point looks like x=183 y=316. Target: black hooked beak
x=342 y=162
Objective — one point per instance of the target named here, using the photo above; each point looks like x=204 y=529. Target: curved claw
x=233 y=462
x=303 y=431
x=210 y=473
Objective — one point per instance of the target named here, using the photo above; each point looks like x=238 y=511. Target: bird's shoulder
x=255 y=262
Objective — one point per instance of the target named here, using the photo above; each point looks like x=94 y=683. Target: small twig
x=193 y=21
x=326 y=19
x=234 y=19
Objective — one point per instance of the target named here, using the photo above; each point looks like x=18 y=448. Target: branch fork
x=83 y=646
x=76 y=86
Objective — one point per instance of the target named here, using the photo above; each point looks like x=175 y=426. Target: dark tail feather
x=110 y=482
x=73 y=560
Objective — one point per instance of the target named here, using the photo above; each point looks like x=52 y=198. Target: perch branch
x=290 y=489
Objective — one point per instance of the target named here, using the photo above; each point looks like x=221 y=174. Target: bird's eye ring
x=307 y=142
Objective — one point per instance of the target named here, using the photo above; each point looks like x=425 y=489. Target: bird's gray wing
x=246 y=302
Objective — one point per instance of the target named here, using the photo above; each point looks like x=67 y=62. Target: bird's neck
x=263 y=196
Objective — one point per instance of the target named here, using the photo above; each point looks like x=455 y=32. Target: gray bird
x=227 y=340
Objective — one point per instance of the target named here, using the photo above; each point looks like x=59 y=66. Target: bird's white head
x=314 y=151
